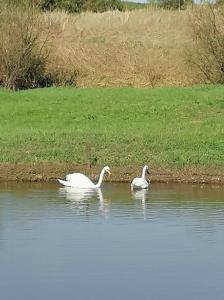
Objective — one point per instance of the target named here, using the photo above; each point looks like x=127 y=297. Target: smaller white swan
x=79 y=180
x=141 y=182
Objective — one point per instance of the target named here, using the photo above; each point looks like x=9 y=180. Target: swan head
x=146 y=169
x=107 y=169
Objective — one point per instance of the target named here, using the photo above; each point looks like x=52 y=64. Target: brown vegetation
x=140 y=48
x=23 y=52
x=208 y=39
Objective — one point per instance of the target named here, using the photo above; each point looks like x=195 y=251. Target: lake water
x=164 y=243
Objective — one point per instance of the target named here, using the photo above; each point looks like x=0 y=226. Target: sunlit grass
x=167 y=127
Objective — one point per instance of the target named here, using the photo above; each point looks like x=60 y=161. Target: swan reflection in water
x=81 y=199
x=141 y=196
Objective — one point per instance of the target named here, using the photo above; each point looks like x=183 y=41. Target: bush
x=72 y=6
x=77 y=6
x=23 y=52
x=173 y=4
x=103 y=5
x=208 y=42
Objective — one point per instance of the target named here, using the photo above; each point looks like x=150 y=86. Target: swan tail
x=63 y=182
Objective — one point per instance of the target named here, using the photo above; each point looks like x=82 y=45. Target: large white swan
x=141 y=182
x=79 y=180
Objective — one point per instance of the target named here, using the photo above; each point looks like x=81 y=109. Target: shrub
x=22 y=49
x=173 y=4
x=76 y=6
x=103 y=5
x=208 y=42
x=72 y=6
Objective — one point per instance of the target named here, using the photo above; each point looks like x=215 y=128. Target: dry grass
x=138 y=48
x=141 y=48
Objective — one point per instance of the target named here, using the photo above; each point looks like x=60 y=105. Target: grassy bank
x=172 y=128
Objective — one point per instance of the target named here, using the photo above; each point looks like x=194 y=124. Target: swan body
x=79 y=180
x=141 y=182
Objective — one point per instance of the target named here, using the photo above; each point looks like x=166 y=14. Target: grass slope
x=164 y=127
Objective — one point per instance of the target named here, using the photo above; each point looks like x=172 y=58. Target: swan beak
x=109 y=173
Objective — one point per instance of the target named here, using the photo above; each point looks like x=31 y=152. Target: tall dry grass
x=140 y=48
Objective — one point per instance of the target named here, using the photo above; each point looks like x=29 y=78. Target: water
x=166 y=243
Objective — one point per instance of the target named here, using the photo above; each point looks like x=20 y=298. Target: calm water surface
x=165 y=243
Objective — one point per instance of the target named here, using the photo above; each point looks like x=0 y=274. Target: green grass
x=164 y=127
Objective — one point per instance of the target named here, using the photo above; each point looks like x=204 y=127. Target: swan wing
x=79 y=180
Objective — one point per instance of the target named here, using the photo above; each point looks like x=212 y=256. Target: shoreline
x=46 y=172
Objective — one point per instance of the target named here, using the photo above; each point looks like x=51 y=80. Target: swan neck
x=100 y=179
x=143 y=172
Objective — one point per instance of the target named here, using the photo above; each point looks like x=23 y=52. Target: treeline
x=173 y=4
x=78 y=6
x=70 y=6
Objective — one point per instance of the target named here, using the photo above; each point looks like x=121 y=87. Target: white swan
x=141 y=182
x=79 y=180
